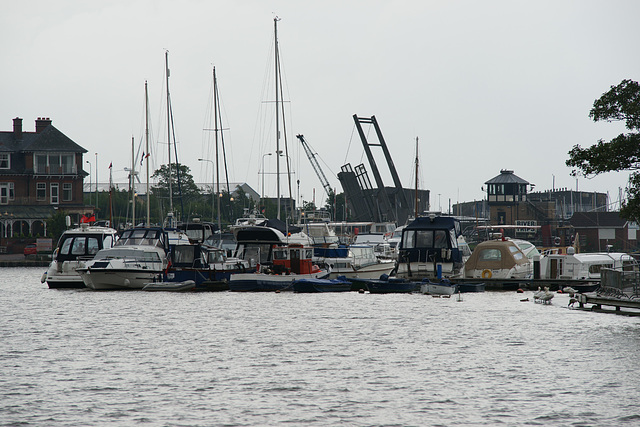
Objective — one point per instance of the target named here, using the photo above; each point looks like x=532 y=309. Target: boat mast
x=215 y=123
x=277 y=72
x=166 y=55
x=416 y=201
x=133 y=183
x=146 y=137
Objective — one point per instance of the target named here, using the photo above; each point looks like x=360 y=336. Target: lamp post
x=96 y=205
x=213 y=183
x=263 y=156
x=90 y=168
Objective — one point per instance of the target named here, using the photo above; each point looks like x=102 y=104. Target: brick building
x=40 y=172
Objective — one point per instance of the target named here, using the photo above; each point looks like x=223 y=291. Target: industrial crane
x=315 y=165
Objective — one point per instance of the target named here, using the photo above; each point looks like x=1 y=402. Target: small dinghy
x=186 y=286
x=444 y=287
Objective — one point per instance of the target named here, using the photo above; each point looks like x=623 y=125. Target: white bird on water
x=538 y=294
x=546 y=296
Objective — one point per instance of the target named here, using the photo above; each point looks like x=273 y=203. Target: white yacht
x=356 y=261
x=139 y=257
x=75 y=248
x=584 y=265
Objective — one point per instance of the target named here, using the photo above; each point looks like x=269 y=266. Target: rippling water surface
x=79 y=357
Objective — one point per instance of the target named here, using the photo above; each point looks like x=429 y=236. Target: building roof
x=597 y=220
x=49 y=139
x=507 y=177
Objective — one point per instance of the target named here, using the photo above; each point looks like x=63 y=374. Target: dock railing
x=620 y=283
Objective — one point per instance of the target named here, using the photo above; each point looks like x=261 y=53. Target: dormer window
x=5 y=161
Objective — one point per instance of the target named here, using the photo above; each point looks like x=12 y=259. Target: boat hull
x=113 y=279
x=438 y=288
x=471 y=287
x=373 y=271
x=262 y=282
x=186 y=286
x=321 y=285
x=386 y=286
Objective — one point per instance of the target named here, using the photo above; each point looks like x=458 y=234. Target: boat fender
x=44 y=277
x=486 y=273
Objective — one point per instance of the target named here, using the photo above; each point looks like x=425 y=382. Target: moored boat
x=443 y=287
x=288 y=263
x=355 y=261
x=138 y=258
x=75 y=248
x=501 y=259
x=321 y=285
x=432 y=247
x=186 y=286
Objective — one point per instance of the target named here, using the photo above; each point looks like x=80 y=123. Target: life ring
x=486 y=273
x=557 y=241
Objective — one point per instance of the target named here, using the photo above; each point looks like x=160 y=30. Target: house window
x=66 y=192
x=54 y=189
x=12 y=192
x=4 y=193
x=41 y=191
x=41 y=163
x=54 y=164
x=5 y=161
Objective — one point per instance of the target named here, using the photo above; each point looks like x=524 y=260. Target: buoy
x=520 y=291
x=524 y=300
x=486 y=273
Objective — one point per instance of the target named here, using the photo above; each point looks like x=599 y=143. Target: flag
x=110 y=164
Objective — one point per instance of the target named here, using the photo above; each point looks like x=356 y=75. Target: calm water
x=79 y=357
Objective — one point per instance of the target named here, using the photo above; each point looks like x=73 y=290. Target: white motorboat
x=138 y=258
x=75 y=248
x=584 y=266
x=356 y=261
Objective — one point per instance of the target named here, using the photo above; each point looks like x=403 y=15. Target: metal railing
x=620 y=283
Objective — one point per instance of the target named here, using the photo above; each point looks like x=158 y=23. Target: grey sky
x=485 y=85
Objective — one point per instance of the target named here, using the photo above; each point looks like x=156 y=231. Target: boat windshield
x=128 y=254
x=80 y=245
x=140 y=236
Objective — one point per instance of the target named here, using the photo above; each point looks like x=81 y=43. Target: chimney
x=42 y=123
x=17 y=129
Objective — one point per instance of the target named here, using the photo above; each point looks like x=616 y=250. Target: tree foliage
x=620 y=103
x=187 y=185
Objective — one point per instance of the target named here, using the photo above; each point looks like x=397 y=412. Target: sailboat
x=280 y=252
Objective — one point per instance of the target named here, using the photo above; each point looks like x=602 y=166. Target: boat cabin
x=498 y=259
x=432 y=246
x=584 y=265
x=84 y=243
x=295 y=259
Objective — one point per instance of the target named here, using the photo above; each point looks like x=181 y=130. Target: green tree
x=620 y=103
x=187 y=185
x=56 y=225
